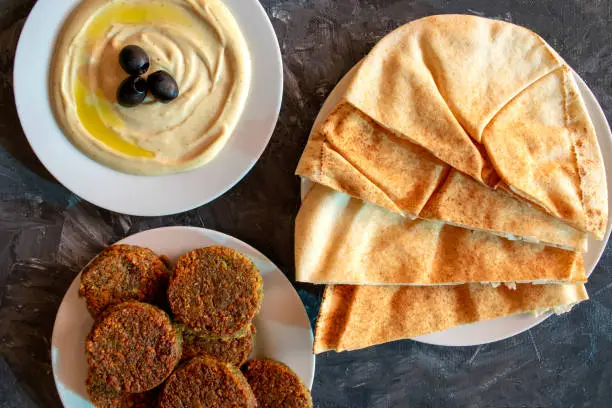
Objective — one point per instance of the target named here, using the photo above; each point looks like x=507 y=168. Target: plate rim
x=207 y=232
x=596 y=109
x=124 y=201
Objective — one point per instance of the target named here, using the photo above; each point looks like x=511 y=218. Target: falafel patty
x=133 y=347
x=276 y=385
x=232 y=350
x=206 y=382
x=215 y=291
x=102 y=396
x=121 y=273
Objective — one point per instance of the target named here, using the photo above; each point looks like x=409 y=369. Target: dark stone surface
x=47 y=234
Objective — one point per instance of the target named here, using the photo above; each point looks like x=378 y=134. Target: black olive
x=163 y=86
x=132 y=91
x=134 y=60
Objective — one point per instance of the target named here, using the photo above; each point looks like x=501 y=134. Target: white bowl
x=142 y=195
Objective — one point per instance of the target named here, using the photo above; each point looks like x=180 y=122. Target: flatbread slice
x=492 y=100
x=544 y=148
x=464 y=202
x=342 y=240
x=439 y=80
x=355 y=317
x=352 y=154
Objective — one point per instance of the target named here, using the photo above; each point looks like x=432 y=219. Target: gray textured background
x=47 y=234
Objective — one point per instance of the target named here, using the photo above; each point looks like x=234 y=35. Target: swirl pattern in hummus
x=196 y=41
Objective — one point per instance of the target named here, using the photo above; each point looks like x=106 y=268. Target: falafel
x=133 y=347
x=215 y=291
x=233 y=350
x=102 y=396
x=121 y=273
x=275 y=385
x=206 y=382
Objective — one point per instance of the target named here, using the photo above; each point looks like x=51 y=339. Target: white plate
x=283 y=328
x=141 y=195
x=504 y=327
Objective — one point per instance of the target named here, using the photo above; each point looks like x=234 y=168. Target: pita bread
x=436 y=76
x=352 y=154
x=464 y=202
x=342 y=240
x=544 y=148
x=355 y=317
x=491 y=99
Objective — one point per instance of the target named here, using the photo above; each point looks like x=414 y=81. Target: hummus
x=197 y=41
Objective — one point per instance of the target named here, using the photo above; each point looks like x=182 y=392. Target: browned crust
x=276 y=385
x=319 y=157
x=353 y=154
x=589 y=161
x=332 y=316
x=121 y=273
x=206 y=382
x=586 y=205
x=102 y=396
x=215 y=291
x=355 y=317
x=133 y=347
x=464 y=202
